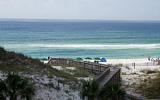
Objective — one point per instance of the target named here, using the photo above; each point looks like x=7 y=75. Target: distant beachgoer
x=149 y=58
x=152 y=59
x=49 y=58
x=134 y=64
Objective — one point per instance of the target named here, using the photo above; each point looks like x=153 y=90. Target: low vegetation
x=17 y=62
x=147 y=71
x=119 y=65
x=90 y=90
x=15 y=86
x=79 y=72
x=151 y=87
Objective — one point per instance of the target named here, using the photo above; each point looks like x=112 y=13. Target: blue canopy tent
x=103 y=60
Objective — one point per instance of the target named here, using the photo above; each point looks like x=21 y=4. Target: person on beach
x=134 y=64
x=149 y=58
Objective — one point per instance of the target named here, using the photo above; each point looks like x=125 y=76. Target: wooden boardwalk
x=105 y=74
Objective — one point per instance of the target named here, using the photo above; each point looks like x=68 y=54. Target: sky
x=81 y=9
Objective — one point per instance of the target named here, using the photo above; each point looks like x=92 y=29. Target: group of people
x=153 y=59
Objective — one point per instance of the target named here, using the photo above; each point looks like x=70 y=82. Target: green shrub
x=151 y=87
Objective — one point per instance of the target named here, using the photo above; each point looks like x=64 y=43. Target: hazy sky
x=81 y=9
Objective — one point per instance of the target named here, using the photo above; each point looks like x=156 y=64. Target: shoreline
x=124 y=61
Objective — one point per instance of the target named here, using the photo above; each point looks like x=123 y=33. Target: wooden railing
x=93 y=67
x=104 y=73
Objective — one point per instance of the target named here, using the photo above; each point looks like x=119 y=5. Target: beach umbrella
x=97 y=58
x=103 y=60
x=79 y=59
x=88 y=58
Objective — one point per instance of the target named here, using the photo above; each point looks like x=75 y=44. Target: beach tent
x=79 y=59
x=88 y=58
x=103 y=60
x=97 y=58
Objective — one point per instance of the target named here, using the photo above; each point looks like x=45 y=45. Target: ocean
x=62 y=38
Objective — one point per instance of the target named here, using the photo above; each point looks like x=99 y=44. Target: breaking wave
x=85 y=46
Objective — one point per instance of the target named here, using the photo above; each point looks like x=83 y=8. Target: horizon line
x=71 y=20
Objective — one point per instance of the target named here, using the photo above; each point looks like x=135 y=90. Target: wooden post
x=92 y=68
x=100 y=68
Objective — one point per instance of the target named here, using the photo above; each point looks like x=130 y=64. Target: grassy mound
x=151 y=87
x=17 y=62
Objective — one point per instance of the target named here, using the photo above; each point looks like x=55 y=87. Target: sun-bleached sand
x=134 y=71
x=131 y=62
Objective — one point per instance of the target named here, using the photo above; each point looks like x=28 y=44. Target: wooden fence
x=105 y=74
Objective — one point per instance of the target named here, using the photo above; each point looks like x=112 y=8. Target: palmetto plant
x=111 y=92
x=16 y=86
x=3 y=89
x=89 y=90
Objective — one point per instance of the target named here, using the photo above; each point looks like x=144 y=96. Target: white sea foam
x=85 y=46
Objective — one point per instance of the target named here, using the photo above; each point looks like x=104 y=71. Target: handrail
x=103 y=74
x=101 y=70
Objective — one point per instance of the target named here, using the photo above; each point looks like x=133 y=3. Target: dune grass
x=17 y=62
x=151 y=87
x=79 y=72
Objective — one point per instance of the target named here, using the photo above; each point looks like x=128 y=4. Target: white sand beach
x=135 y=71
x=138 y=61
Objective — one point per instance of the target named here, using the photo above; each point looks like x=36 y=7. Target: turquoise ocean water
x=111 y=39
